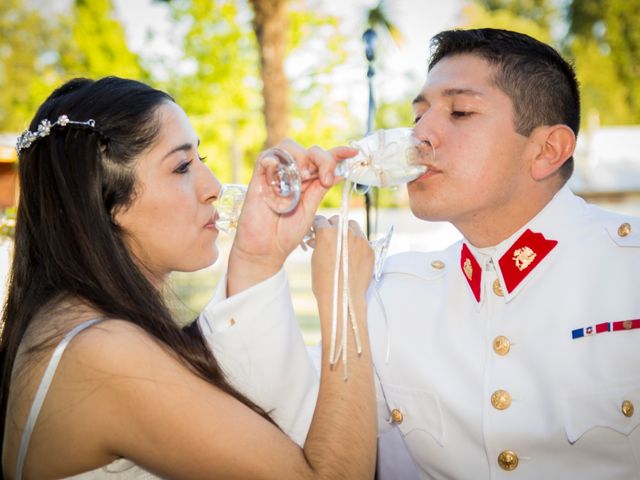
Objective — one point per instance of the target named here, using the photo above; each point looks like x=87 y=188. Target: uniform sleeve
x=257 y=341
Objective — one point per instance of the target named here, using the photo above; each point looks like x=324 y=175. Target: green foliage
x=478 y=15
x=8 y=223
x=28 y=61
x=603 y=43
x=97 y=45
x=44 y=46
x=378 y=18
x=606 y=33
x=541 y=12
x=217 y=83
x=317 y=118
x=600 y=87
x=221 y=88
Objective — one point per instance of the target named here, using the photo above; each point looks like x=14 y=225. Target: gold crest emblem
x=523 y=257
x=468 y=268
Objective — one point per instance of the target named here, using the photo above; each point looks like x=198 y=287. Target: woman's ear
x=556 y=144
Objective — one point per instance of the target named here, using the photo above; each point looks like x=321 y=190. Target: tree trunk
x=270 y=26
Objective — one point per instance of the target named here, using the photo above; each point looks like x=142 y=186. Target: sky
x=400 y=69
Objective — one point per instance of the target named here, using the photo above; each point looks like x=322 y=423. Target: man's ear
x=555 y=145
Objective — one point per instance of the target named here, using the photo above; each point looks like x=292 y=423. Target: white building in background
x=608 y=161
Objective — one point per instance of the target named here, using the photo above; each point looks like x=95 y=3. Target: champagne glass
x=229 y=205
x=385 y=158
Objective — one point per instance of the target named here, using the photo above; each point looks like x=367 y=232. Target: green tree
x=507 y=14
x=217 y=82
x=605 y=39
x=541 y=12
x=270 y=24
x=29 y=56
x=44 y=44
x=97 y=43
x=600 y=37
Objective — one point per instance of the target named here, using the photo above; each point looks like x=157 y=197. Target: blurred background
x=251 y=72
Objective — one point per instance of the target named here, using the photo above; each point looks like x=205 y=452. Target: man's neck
x=502 y=223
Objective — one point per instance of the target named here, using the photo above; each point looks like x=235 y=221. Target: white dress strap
x=43 y=388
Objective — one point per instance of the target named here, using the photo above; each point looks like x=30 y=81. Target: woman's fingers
x=355 y=229
x=317 y=162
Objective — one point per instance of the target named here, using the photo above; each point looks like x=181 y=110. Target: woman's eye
x=460 y=114
x=202 y=159
x=416 y=119
x=183 y=167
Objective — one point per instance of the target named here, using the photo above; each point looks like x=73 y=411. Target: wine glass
x=385 y=158
x=229 y=205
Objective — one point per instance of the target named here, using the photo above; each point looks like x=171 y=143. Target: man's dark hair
x=541 y=84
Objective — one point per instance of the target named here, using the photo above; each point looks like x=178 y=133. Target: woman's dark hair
x=66 y=244
x=541 y=84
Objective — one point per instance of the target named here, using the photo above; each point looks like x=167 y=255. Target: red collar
x=471 y=269
x=519 y=260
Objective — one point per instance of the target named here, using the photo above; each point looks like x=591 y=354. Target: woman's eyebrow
x=185 y=147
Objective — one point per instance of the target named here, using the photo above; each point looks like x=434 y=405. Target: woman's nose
x=209 y=185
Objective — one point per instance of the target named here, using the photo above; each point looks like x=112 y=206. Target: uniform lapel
x=471 y=271
x=523 y=257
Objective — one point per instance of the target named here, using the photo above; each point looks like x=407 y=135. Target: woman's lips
x=211 y=224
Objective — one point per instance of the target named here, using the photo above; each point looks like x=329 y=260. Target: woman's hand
x=323 y=260
x=264 y=239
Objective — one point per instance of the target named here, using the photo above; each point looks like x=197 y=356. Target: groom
x=513 y=351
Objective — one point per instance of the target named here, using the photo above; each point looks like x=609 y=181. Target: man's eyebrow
x=449 y=92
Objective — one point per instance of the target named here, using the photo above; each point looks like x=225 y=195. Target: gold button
x=501 y=399
x=624 y=229
x=627 y=324
x=396 y=416
x=508 y=460
x=232 y=322
x=627 y=408
x=497 y=289
x=501 y=345
x=437 y=264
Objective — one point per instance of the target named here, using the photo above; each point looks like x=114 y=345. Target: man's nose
x=425 y=129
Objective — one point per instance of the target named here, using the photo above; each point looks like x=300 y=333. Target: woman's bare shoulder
x=119 y=392
x=92 y=397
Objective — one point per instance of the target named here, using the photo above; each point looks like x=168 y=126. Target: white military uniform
x=516 y=361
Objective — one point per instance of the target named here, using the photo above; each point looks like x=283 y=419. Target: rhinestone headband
x=44 y=128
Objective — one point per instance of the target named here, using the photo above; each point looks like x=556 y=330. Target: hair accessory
x=44 y=128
